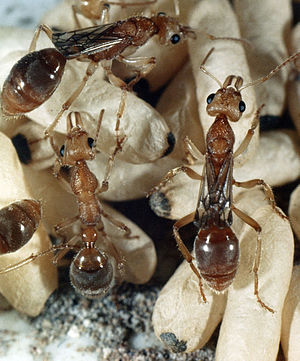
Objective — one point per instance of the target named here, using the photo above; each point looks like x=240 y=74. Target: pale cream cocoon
x=216 y=17
x=290 y=331
x=145 y=129
x=27 y=288
x=179 y=107
x=248 y=331
x=266 y=24
x=184 y=323
x=294 y=211
x=293 y=88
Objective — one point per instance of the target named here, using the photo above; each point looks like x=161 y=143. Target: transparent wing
x=215 y=197
x=87 y=41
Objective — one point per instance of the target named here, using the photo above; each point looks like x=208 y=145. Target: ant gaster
x=216 y=246
x=18 y=222
x=34 y=78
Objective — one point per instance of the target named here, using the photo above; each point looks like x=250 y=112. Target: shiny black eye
x=210 y=98
x=91 y=142
x=62 y=151
x=175 y=38
x=242 y=106
x=161 y=13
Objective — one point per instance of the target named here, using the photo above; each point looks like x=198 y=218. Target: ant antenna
x=205 y=71
x=273 y=72
x=176 y=8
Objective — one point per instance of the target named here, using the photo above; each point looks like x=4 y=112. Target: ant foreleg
x=146 y=63
x=113 y=79
x=252 y=223
x=185 y=252
x=171 y=174
x=46 y=30
x=267 y=190
x=243 y=146
x=191 y=150
x=66 y=105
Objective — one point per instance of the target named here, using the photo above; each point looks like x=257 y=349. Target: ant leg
x=127 y=231
x=243 y=146
x=46 y=30
x=75 y=17
x=111 y=248
x=62 y=252
x=32 y=258
x=252 y=223
x=171 y=174
x=145 y=63
x=114 y=80
x=110 y=162
x=66 y=223
x=185 y=252
x=267 y=190
x=66 y=105
x=191 y=150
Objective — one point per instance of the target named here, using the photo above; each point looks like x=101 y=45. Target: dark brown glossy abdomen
x=18 y=222
x=217 y=256
x=32 y=80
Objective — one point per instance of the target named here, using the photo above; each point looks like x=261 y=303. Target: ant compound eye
x=242 y=106
x=161 y=13
x=62 y=150
x=90 y=142
x=91 y=273
x=210 y=98
x=175 y=38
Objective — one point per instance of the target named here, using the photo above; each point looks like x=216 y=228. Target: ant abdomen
x=217 y=256
x=32 y=80
x=18 y=222
x=91 y=273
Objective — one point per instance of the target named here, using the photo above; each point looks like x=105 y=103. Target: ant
x=216 y=246
x=35 y=77
x=92 y=271
x=18 y=222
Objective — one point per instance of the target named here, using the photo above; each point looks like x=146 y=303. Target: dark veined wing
x=215 y=196
x=86 y=41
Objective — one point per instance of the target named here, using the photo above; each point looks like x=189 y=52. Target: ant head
x=91 y=273
x=227 y=100
x=78 y=145
x=170 y=30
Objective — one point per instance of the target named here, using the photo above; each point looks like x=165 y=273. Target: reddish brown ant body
x=34 y=78
x=92 y=272
x=216 y=246
x=18 y=222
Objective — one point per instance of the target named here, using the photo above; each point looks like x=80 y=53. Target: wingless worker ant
x=216 y=246
x=92 y=271
x=35 y=77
